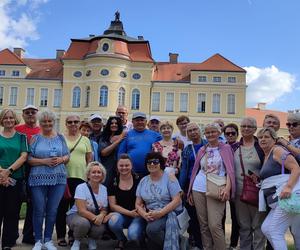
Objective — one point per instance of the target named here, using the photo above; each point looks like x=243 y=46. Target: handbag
x=183 y=221
x=214 y=185
x=250 y=190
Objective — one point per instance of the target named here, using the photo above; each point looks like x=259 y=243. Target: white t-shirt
x=211 y=162
x=184 y=139
x=83 y=193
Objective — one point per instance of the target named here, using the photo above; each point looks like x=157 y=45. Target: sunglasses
x=33 y=112
x=230 y=133
x=293 y=124
x=73 y=122
x=153 y=161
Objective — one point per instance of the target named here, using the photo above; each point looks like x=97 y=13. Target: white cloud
x=267 y=84
x=19 y=19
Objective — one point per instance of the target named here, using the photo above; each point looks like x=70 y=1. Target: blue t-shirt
x=158 y=194
x=43 y=147
x=137 y=145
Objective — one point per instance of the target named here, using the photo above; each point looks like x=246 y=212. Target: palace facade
x=98 y=73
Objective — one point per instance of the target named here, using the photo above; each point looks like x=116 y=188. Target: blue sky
x=261 y=35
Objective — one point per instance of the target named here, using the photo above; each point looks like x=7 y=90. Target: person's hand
x=99 y=219
x=254 y=178
x=282 y=141
x=4 y=173
x=225 y=194
x=190 y=200
x=285 y=193
x=107 y=217
x=134 y=213
x=155 y=215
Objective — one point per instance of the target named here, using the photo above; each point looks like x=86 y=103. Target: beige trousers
x=210 y=213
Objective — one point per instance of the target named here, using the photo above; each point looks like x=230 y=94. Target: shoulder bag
x=97 y=210
x=250 y=190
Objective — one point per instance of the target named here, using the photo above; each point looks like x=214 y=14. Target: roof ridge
x=14 y=55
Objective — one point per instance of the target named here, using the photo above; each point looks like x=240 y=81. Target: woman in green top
x=13 y=153
x=80 y=155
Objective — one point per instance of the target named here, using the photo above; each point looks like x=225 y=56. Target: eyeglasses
x=153 y=161
x=73 y=122
x=247 y=126
x=230 y=133
x=33 y=112
x=293 y=124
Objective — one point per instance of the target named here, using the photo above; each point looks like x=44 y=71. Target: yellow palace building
x=98 y=73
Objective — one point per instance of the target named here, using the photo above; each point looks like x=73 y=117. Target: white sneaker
x=38 y=245
x=49 y=245
x=76 y=245
x=92 y=244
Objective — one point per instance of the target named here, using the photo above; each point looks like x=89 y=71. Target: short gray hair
x=91 y=165
x=267 y=129
x=71 y=115
x=251 y=120
x=293 y=117
x=213 y=125
x=46 y=114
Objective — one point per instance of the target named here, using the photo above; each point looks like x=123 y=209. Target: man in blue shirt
x=138 y=142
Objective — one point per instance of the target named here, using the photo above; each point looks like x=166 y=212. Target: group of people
x=99 y=180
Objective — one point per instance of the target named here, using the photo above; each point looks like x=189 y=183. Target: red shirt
x=28 y=131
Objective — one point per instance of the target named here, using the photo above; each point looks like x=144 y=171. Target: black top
x=124 y=198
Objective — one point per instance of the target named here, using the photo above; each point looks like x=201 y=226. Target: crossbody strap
x=72 y=149
x=97 y=210
x=241 y=160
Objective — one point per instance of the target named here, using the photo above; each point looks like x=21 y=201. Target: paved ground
x=109 y=245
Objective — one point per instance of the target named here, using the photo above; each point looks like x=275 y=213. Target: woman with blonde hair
x=86 y=217
x=169 y=148
x=13 y=154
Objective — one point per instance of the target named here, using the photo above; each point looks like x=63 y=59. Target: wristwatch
x=10 y=170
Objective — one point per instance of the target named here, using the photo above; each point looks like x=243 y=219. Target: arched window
x=135 y=100
x=76 y=97
x=103 y=96
x=121 y=96
x=87 y=96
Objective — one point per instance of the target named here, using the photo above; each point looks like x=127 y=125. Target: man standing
x=29 y=128
x=122 y=112
x=271 y=121
x=138 y=142
x=96 y=124
x=154 y=123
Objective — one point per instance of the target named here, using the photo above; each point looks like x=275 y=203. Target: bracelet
x=10 y=170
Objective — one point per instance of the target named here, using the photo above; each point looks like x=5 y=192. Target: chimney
x=261 y=105
x=60 y=53
x=140 y=38
x=173 y=58
x=19 y=52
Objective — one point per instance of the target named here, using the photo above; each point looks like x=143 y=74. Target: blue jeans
x=135 y=226
x=45 y=201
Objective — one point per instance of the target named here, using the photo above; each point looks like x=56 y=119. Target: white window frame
x=44 y=97
x=87 y=96
x=155 y=102
x=216 y=103
x=202 y=78
x=170 y=98
x=30 y=93
x=76 y=97
x=103 y=96
x=184 y=104
x=135 y=99
x=15 y=73
x=231 y=107
x=200 y=102
x=231 y=79
x=2 y=72
x=217 y=79
x=13 y=96
x=121 y=96
x=57 y=98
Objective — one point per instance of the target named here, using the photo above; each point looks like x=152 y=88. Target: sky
x=262 y=36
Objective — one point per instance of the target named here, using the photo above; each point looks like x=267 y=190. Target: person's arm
x=295 y=151
x=183 y=174
x=5 y=173
x=82 y=211
x=291 y=164
x=115 y=143
x=88 y=157
x=116 y=208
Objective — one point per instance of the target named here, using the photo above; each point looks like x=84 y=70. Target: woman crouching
x=86 y=216
x=158 y=201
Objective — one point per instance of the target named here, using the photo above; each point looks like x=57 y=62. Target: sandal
x=120 y=245
x=62 y=243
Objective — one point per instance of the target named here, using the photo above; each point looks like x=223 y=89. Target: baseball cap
x=95 y=116
x=30 y=107
x=139 y=115
x=154 y=117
